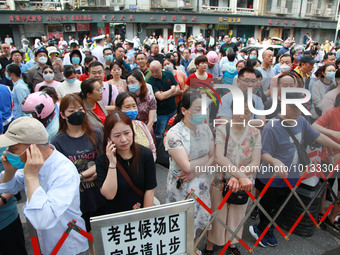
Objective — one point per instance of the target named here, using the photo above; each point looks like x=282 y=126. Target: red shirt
x=194 y=82
x=99 y=112
x=330 y=121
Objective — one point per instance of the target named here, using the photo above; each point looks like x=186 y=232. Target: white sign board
x=159 y=230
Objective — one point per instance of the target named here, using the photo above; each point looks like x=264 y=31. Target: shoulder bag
x=240 y=197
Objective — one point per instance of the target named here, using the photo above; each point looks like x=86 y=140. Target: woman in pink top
x=48 y=75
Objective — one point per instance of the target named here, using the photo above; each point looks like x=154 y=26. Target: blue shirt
x=9 y=211
x=267 y=76
x=5 y=104
x=23 y=68
x=277 y=142
x=19 y=93
x=53 y=204
x=130 y=54
x=225 y=109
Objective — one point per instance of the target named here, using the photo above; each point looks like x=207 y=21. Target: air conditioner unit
x=70 y=28
x=179 y=28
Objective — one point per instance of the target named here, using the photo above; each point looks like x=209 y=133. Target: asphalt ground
x=322 y=242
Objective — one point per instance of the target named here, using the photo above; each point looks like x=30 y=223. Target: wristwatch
x=4 y=200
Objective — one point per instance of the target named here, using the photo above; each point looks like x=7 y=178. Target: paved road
x=321 y=242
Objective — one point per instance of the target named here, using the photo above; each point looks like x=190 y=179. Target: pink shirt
x=54 y=85
x=106 y=91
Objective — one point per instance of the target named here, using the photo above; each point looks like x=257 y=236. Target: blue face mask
x=109 y=58
x=133 y=88
x=7 y=76
x=330 y=75
x=76 y=60
x=197 y=119
x=298 y=57
x=15 y=160
x=132 y=114
x=252 y=57
x=70 y=80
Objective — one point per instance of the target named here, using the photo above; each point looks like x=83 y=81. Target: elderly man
x=110 y=92
x=155 y=53
x=285 y=47
x=267 y=71
x=51 y=182
x=165 y=88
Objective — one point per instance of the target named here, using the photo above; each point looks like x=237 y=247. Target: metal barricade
x=256 y=203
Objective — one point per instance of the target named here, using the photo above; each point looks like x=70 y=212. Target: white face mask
x=48 y=76
x=285 y=68
x=42 y=60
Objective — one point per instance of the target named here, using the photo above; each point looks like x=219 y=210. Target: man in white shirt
x=51 y=182
x=98 y=50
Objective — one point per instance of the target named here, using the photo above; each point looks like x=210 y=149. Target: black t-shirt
x=158 y=57
x=145 y=179
x=167 y=106
x=82 y=153
x=225 y=46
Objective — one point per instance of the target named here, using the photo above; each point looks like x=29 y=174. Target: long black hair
x=189 y=96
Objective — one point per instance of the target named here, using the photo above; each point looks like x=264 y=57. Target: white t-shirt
x=65 y=88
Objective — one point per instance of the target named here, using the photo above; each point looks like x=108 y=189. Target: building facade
x=240 y=18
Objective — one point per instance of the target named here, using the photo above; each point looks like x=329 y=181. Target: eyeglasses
x=99 y=72
x=249 y=81
x=100 y=90
x=46 y=72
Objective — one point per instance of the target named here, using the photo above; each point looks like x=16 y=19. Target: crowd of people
x=82 y=129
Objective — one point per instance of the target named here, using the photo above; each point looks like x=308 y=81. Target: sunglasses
x=5 y=48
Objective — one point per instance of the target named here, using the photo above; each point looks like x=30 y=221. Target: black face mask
x=76 y=118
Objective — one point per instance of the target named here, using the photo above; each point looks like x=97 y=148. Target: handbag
x=240 y=197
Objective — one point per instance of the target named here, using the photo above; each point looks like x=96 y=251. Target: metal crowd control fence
x=214 y=215
x=71 y=226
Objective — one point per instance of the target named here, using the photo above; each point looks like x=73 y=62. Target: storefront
x=142 y=24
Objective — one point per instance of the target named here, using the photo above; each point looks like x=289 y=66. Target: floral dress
x=239 y=151
x=179 y=136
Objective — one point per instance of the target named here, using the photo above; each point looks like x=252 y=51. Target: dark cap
x=42 y=49
x=307 y=59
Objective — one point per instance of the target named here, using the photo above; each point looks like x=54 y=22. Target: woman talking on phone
x=126 y=171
